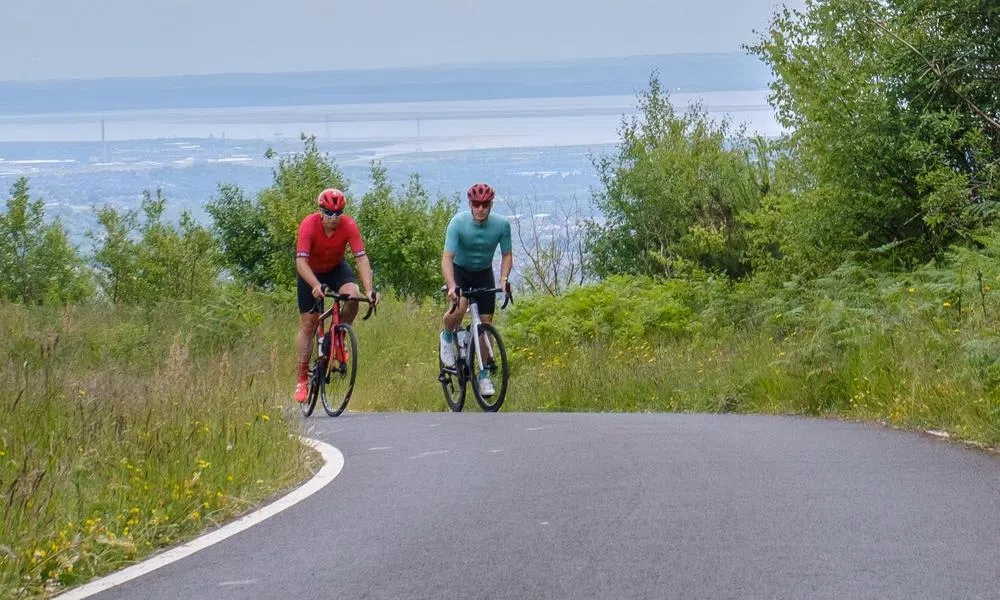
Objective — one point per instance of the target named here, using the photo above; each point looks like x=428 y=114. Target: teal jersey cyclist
x=467 y=261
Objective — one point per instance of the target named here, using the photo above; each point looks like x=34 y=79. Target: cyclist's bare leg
x=484 y=340
x=303 y=339
x=454 y=319
x=350 y=308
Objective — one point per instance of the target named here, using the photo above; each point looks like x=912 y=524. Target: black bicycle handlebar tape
x=371 y=308
x=508 y=295
x=337 y=295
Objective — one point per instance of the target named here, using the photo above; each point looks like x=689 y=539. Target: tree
x=38 y=265
x=676 y=196
x=175 y=263
x=115 y=258
x=893 y=113
x=404 y=234
x=147 y=261
x=257 y=237
x=553 y=252
x=298 y=179
x=240 y=230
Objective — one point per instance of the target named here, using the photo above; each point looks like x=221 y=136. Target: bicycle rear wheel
x=315 y=384
x=495 y=367
x=338 y=384
x=453 y=384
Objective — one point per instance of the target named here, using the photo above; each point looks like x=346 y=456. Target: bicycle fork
x=339 y=349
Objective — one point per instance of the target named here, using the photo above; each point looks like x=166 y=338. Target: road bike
x=332 y=373
x=476 y=355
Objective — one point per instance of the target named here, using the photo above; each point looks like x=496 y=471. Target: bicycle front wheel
x=494 y=369
x=339 y=380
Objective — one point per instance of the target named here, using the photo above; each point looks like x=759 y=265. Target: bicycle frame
x=473 y=309
x=334 y=309
x=340 y=359
x=333 y=313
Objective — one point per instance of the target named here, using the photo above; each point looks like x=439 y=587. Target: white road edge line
x=334 y=463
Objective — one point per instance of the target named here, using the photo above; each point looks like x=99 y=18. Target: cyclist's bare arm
x=365 y=271
x=506 y=264
x=306 y=272
x=448 y=271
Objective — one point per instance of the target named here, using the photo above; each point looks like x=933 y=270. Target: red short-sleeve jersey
x=324 y=252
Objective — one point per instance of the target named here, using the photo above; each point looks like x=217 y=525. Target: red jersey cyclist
x=319 y=260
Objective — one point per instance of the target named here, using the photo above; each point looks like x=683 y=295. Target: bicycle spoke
x=339 y=381
x=493 y=372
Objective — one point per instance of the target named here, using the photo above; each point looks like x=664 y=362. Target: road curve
x=541 y=505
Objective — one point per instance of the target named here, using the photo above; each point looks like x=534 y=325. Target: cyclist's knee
x=308 y=322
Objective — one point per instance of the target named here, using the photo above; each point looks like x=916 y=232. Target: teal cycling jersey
x=474 y=244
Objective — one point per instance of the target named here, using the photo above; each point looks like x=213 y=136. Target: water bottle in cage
x=461 y=343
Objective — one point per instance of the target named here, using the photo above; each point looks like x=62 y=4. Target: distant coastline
x=553 y=79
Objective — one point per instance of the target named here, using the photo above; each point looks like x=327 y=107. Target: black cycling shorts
x=333 y=279
x=465 y=278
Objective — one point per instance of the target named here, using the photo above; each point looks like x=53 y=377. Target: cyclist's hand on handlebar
x=374 y=297
x=453 y=295
x=318 y=291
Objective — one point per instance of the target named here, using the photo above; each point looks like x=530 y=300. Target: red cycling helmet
x=331 y=199
x=480 y=192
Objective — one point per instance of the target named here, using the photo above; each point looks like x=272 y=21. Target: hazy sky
x=46 y=39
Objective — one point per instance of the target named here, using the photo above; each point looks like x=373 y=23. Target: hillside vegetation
x=847 y=270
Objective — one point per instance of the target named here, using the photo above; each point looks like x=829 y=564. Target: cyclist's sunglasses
x=332 y=213
x=481 y=204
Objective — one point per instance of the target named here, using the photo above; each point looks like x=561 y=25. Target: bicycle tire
x=319 y=365
x=334 y=403
x=500 y=364
x=453 y=384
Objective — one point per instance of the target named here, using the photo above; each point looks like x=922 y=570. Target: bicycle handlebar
x=346 y=297
x=508 y=294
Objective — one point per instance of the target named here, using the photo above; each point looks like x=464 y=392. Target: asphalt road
x=528 y=506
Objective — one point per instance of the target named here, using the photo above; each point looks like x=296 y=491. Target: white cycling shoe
x=447 y=352
x=486 y=387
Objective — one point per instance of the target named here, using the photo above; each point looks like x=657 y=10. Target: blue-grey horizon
x=67 y=39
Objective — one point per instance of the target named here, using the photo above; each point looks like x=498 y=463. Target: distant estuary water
x=538 y=152
x=393 y=127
